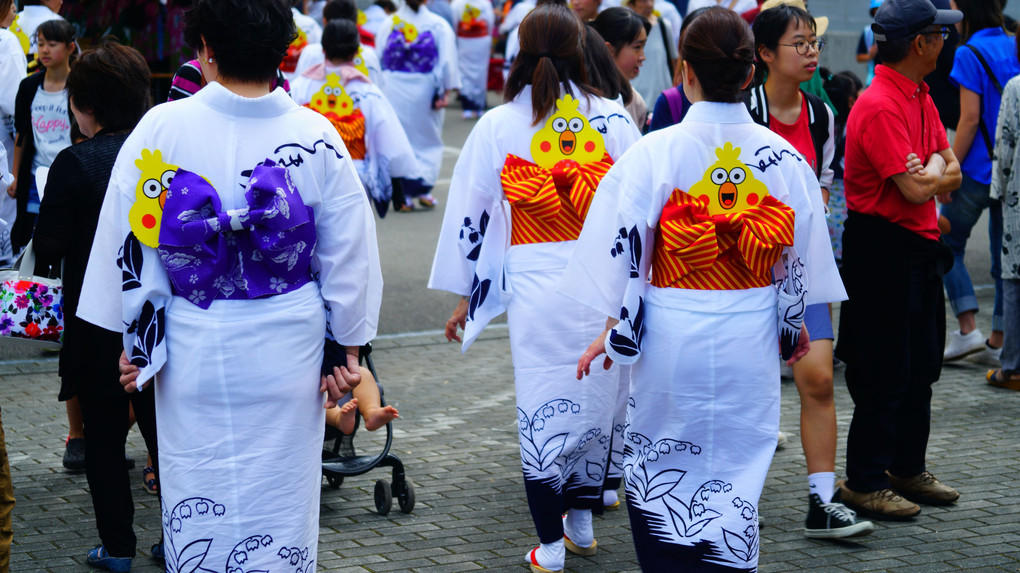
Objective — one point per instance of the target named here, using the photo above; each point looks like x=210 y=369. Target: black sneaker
x=833 y=520
x=74 y=455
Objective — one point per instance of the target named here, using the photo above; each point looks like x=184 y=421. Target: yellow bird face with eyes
x=406 y=28
x=567 y=135
x=471 y=13
x=146 y=213
x=359 y=62
x=332 y=98
x=728 y=185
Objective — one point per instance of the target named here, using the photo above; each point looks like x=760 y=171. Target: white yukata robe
x=564 y=424
x=237 y=383
x=474 y=21
x=418 y=54
x=704 y=397
x=388 y=152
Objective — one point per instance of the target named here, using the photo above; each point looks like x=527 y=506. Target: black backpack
x=818 y=118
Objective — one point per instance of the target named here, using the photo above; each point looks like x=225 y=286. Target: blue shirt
x=999 y=50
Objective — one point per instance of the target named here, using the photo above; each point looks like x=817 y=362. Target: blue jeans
x=963 y=213
x=1011 y=343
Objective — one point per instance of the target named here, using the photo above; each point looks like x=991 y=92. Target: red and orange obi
x=695 y=249
x=549 y=198
x=549 y=205
x=351 y=128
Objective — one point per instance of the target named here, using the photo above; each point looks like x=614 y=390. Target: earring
x=209 y=61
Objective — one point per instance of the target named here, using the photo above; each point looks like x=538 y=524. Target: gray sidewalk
x=458 y=439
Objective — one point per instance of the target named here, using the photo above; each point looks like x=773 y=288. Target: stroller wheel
x=383 y=497
x=405 y=498
x=334 y=481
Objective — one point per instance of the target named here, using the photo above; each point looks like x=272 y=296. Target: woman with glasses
x=787 y=50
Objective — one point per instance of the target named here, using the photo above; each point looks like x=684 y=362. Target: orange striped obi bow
x=549 y=205
x=696 y=250
x=351 y=129
x=474 y=28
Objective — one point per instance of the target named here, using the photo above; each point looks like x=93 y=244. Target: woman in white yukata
x=340 y=90
x=235 y=237
x=518 y=198
x=419 y=62
x=474 y=20
x=679 y=250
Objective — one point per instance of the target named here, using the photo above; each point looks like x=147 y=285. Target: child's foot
x=379 y=417
x=347 y=417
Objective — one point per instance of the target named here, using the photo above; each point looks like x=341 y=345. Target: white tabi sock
x=550 y=556
x=577 y=526
x=609 y=497
x=822 y=483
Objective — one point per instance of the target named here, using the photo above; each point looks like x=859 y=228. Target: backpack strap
x=675 y=102
x=998 y=87
x=818 y=124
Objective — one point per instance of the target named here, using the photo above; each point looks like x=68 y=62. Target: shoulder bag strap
x=998 y=87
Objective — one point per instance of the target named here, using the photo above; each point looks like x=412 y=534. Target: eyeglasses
x=940 y=31
x=803 y=47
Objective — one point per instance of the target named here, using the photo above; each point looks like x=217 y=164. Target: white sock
x=577 y=526
x=822 y=483
x=549 y=555
x=609 y=497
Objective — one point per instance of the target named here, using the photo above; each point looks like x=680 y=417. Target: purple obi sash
x=262 y=249
x=419 y=57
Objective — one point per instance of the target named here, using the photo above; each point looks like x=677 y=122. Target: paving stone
x=458 y=441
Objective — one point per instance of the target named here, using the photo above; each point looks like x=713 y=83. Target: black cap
x=897 y=19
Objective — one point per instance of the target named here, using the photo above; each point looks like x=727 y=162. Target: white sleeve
x=346 y=258
x=12 y=71
x=451 y=73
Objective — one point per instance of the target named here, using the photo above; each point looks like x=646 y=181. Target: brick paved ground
x=458 y=439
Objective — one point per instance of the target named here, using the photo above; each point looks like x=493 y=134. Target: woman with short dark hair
x=518 y=198
x=234 y=229
x=108 y=90
x=679 y=249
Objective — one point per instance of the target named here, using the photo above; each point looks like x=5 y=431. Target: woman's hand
x=457 y=319
x=128 y=373
x=594 y=350
x=803 y=346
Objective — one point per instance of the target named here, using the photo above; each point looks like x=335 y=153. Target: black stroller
x=339 y=459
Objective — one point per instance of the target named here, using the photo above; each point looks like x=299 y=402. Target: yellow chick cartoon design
x=728 y=185
x=567 y=135
x=471 y=13
x=359 y=61
x=406 y=28
x=362 y=18
x=332 y=98
x=150 y=196
x=19 y=32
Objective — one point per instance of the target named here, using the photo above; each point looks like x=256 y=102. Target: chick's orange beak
x=162 y=199
x=567 y=142
x=727 y=195
x=331 y=101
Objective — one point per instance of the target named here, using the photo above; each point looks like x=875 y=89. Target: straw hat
x=821 y=22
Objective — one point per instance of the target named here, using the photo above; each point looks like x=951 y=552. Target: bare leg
x=967 y=322
x=76 y=427
x=370 y=403
x=813 y=377
x=342 y=417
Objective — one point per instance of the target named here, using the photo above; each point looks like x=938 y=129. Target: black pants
x=104 y=406
x=892 y=335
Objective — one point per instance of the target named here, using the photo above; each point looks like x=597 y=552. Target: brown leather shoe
x=882 y=504
x=924 y=488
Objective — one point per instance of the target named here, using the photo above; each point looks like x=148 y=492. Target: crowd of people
x=667 y=204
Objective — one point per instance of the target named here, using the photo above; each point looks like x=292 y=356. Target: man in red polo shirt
x=892 y=329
